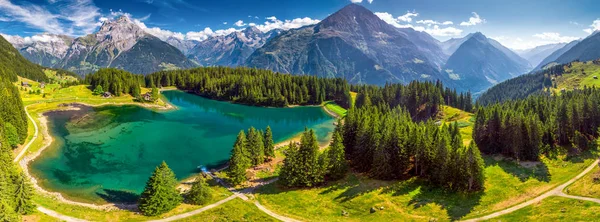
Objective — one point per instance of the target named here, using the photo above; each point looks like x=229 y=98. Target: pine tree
x=239 y=161
x=475 y=168
x=200 y=193
x=269 y=144
x=290 y=170
x=336 y=156
x=255 y=146
x=155 y=94
x=98 y=90
x=12 y=136
x=23 y=196
x=7 y=213
x=160 y=194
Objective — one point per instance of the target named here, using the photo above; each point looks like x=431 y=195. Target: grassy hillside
x=580 y=74
x=13 y=64
x=508 y=183
x=555 y=209
x=587 y=186
x=568 y=77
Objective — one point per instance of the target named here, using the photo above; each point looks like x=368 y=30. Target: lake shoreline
x=47 y=140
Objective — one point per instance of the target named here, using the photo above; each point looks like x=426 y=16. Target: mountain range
x=352 y=43
x=119 y=43
x=480 y=62
x=230 y=50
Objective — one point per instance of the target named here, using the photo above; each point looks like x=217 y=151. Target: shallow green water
x=100 y=154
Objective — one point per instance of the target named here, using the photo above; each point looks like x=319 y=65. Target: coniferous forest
x=254 y=86
x=421 y=99
x=386 y=144
x=15 y=190
x=539 y=124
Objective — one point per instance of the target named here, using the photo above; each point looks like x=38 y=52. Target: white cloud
x=518 y=43
x=15 y=39
x=275 y=23
x=474 y=20
x=224 y=23
x=408 y=16
x=83 y=15
x=360 y=1
x=595 y=26
x=72 y=17
x=34 y=16
x=272 y=18
x=432 y=27
x=554 y=37
x=447 y=31
x=240 y=23
x=389 y=18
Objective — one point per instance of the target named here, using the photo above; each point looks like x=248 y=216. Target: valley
x=244 y=111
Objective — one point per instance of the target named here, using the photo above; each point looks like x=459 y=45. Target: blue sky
x=515 y=23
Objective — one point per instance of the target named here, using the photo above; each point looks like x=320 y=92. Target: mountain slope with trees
x=348 y=44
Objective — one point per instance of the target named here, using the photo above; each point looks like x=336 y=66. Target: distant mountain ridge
x=354 y=44
x=480 y=62
x=554 y=56
x=118 y=43
x=230 y=50
x=536 y=55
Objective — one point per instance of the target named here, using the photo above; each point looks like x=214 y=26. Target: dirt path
x=558 y=191
x=562 y=194
x=59 y=216
x=192 y=213
x=276 y=216
x=35 y=135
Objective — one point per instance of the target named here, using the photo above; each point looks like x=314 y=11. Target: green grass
x=586 y=186
x=59 y=79
x=86 y=213
x=450 y=115
x=337 y=109
x=234 y=210
x=507 y=184
x=555 y=209
x=574 y=77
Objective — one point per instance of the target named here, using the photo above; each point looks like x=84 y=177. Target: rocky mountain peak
x=251 y=30
x=478 y=35
x=353 y=18
x=121 y=33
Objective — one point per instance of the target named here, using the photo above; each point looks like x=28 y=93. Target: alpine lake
x=106 y=154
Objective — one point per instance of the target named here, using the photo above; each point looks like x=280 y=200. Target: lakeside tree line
x=240 y=85
x=421 y=99
x=306 y=166
x=386 y=144
x=254 y=86
x=539 y=124
x=251 y=149
x=115 y=81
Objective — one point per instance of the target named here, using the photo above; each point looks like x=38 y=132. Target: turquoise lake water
x=105 y=153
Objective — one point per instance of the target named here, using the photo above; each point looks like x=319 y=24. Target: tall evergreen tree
x=475 y=168
x=336 y=156
x=255 y=146
x=23 y=196
x=160 y=194
x=269 y=144
x=239 y=161
x=200 y=193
